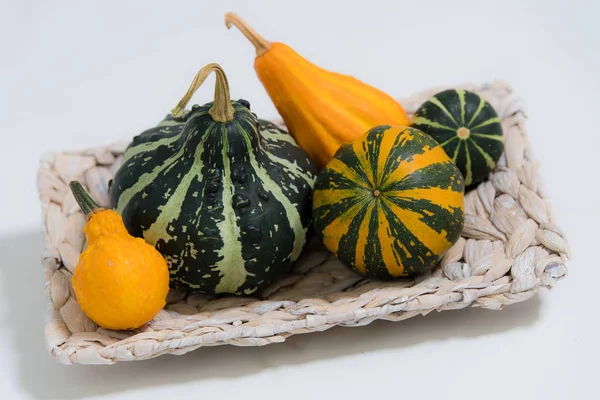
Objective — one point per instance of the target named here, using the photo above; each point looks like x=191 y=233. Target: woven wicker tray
x=510 y=248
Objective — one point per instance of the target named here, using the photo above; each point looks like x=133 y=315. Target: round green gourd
x=389 y=204
x=228 y=203
x=467 y=127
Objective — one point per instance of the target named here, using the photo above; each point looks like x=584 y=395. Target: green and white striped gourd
x=226 y=198
x=467 y=127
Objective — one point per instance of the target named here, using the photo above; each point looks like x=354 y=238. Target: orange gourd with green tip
x=322 y=109
x=120 y=282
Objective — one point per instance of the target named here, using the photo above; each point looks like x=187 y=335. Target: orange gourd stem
x=322 y=109
x=261 y=45
x=100 y=221
x=85 y=201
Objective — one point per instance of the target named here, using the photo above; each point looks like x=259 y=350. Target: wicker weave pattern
x=510 y=247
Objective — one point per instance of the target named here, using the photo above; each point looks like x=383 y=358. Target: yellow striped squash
x=389 y=204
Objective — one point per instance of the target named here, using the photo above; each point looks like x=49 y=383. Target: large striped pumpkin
x=227 y=203
x=467 y=127
x=389 y=204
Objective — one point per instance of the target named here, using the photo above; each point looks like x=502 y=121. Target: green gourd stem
x=222 y=110
x=85 y=201
x=260 y=44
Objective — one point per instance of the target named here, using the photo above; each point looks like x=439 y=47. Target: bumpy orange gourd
x=321 y=109
x=120 y=282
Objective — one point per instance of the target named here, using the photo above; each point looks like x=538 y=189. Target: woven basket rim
x=501 y=259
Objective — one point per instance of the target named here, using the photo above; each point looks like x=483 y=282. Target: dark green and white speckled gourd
x=226 y=198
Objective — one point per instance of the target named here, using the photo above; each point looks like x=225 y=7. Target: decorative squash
x=389 y=204
x=322 y=109
x=468 y=129
x=121 y=282
x=227 y=204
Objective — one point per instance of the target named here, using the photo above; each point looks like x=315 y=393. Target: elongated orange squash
x=322 y=109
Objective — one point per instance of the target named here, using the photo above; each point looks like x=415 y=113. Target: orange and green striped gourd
x=389 y=204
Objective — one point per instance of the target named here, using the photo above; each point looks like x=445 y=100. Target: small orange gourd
x=321 y=109
x=120 y=282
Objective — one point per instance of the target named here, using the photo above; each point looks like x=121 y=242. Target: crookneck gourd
x=226 y=199
x=467 y=127
x=322 y=109
x=389 y=204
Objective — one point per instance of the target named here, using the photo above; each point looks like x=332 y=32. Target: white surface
x=77 y=74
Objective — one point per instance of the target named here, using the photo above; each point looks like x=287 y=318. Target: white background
x=79 y=74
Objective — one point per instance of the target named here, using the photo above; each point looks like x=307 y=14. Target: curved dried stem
x=261 y=44
x=222 y=110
